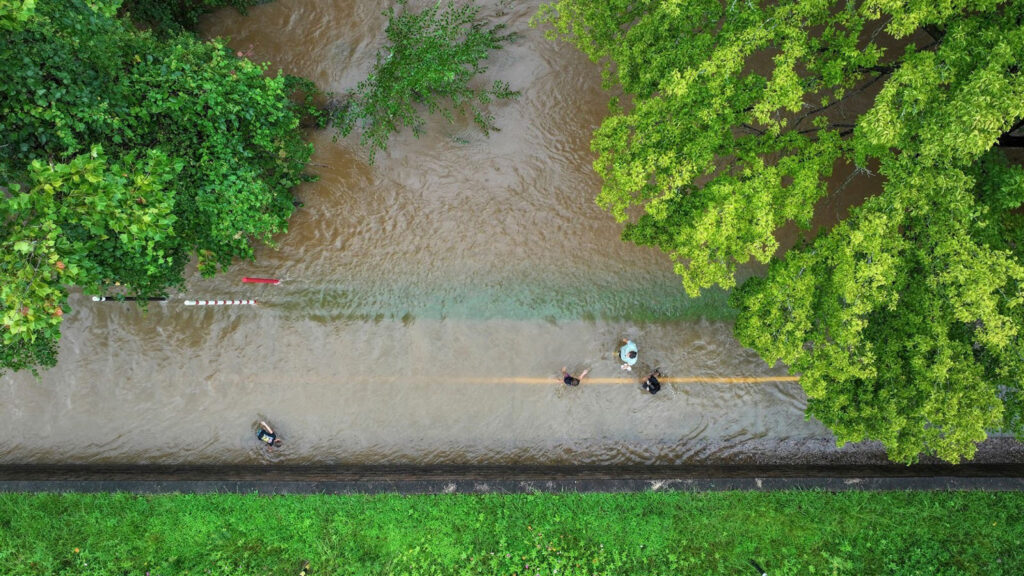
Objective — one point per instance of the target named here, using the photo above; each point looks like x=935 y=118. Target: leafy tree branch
x=903 y=320
x=432 y=57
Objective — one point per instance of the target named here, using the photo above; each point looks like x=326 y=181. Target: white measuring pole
x=219 y=302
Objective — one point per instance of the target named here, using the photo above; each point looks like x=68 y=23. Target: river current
x=426 y=307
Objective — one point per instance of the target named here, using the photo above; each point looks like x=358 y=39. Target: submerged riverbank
x=572 y=534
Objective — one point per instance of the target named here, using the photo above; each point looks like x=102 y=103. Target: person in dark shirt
x=651 y=384
x=569 y=380
x=266 y=435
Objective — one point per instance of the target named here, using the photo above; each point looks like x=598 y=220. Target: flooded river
x=427 y=304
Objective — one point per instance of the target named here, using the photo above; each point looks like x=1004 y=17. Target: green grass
x=863 y=533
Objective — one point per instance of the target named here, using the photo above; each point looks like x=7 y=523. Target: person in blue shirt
x=628 y=354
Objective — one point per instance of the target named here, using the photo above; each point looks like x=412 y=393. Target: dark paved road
x=440 y=480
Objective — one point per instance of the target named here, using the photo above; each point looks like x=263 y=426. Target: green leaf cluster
x=13 y=13
x=125 y=155
x=431 y=58
x=904 y=320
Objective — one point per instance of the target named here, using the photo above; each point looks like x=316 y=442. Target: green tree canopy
x=904 y=320
x=124 y=156
x=431 y=57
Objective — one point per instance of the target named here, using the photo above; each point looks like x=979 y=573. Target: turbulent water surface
x=428 y=302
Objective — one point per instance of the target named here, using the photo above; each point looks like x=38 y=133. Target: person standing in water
x=569 y=380
x=651 y=384
x=266 y=435
x=628 y=354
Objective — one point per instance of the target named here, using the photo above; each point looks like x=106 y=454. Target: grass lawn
x=804 y=532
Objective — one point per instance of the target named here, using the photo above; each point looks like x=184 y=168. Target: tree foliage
x=904 y=320
x=13 y=13
x=178 y=15
x=432 y=57
x=124 y=156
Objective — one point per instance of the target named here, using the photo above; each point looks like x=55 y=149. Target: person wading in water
x=569 y=380
x=266 y=435
x=628 y=354
x=651 y=384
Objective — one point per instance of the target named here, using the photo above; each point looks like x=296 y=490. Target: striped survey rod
x=251 y=280
x=219 y=302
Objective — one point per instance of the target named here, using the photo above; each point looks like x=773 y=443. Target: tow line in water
x=126 y=299
x=673 y=380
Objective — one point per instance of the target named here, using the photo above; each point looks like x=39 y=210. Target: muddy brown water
x=427 y=304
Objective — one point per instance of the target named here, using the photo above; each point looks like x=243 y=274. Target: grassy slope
x=927 y=533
